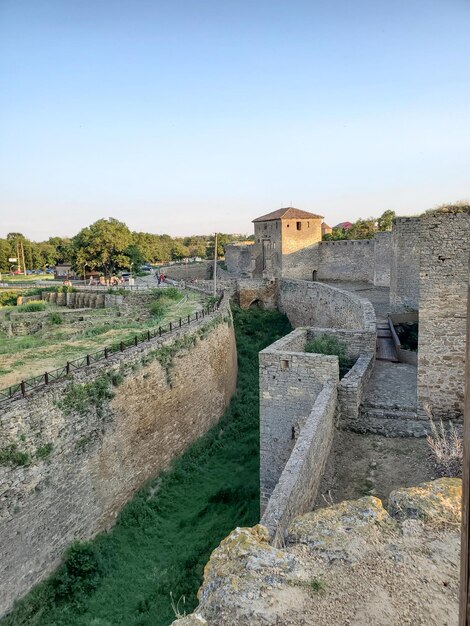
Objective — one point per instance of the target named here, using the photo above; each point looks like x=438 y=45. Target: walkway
x=392 y=389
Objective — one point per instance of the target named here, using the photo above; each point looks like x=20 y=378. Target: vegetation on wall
x=164 y=536
x=329 y=344
x=363 y=228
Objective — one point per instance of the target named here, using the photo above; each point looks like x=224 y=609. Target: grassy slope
x=30 y=355
x=164 y=536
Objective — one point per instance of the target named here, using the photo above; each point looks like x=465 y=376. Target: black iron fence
x=19 y=390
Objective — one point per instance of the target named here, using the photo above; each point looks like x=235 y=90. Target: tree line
x=108 y=246
x=363 y=228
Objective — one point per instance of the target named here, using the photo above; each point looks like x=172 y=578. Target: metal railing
x=19 y=390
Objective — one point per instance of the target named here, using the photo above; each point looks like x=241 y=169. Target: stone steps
x=389 y=412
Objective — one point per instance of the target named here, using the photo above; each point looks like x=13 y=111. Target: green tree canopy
x=385 y=221
x=102 y=246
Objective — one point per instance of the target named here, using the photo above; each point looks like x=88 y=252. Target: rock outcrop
x=351 y=564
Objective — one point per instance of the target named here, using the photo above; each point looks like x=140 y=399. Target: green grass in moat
x=164 y=536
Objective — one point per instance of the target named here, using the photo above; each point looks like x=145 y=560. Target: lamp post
x=84 y=273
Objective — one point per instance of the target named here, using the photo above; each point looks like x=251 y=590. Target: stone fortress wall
x=443 y=280
x=90 y=453
x=302 y=398
x=425 y=262
x=404 y=266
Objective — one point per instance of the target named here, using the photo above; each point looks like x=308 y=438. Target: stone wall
x=443 y=280
x=239 y=259
x=257 y=292
x=88 y=457
x=351 y=390
x=382 y=259
x=290 y=381
x=315 y=304
x=347 y=260
x=297 y=488
x=188 y=271
x=404 y=274
x=357 y=342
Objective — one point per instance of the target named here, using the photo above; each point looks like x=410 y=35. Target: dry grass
x=446 y=446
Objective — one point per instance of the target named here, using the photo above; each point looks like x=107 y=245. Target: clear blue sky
x=194 y=116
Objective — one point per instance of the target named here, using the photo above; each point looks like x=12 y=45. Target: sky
x=186 y=117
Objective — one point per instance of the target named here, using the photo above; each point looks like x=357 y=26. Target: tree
x=102 y=246
x=362 y=229
x=385 y=221
x=179 y=251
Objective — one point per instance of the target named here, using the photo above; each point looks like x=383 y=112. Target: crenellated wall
x=93 y=441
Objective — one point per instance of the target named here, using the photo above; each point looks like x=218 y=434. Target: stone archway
x=314 y=275
x=256 y=304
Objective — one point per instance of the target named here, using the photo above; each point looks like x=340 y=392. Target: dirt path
x=365 y=464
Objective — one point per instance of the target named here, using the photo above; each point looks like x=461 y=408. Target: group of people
x=160 y=276
x=106 y=282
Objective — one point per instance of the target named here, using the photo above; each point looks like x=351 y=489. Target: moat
x=155 y=554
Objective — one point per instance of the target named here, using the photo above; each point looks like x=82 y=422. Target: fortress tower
x=279 y=236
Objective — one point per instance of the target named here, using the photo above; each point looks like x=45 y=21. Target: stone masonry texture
x=443 y=280
x=102 y=455
x=404 y=271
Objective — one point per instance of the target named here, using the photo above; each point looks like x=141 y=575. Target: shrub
x=329 y=344
x=10 y=455
x=8 y=298
x=171 y=293
x=32 y=307
x=79 y=574
x=157 y=309
x=44 y=451
x=55 y=318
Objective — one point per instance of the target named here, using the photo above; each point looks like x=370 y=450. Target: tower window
x=299 y=225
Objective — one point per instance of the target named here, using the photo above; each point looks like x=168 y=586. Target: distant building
x=280 y=237
x=344 y=225
x=63 y=271
x=325 y=229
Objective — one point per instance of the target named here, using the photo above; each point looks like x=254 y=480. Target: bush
x=171 y=293
x=32 y=307
x=55 y=318
x=8 y=298
x=44 y=451
x=329 y=344
x=157 y=309
x=10 y=455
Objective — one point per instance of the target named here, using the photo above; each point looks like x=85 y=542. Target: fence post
x=160 y=331
x=106 y=353
x=88 y=359
x=189 y=319
x=67 y=368
x=121 y=346
x=136 y=341
x=148 y=335
x=23 y=389
x=171 y=327
x=180 y=322
x=46 y=378
x=197 y=316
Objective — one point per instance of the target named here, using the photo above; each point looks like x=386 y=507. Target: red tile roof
x=288 y=213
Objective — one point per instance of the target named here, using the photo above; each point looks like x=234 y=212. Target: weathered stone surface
x=344 y=531
x=437 y=501
x=349 y=564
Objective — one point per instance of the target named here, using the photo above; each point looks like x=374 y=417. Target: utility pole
x=464 y=613
x=24 y=262
x=215 y=266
